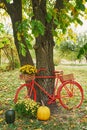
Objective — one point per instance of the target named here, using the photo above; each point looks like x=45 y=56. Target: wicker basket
x=27 y=77
x=68 y=77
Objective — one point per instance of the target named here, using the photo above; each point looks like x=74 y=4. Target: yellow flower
x=28 y=69
x=27 y=106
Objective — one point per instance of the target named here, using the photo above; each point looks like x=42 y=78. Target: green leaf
x=49 y=17
x=85 y=47
x=37 y=28
x=1 y=45
x=56 y=21
x=82 y=7
x=28 y=44
x=8 y=1
x=23 y=52
x=1 y=28
x=22 y=49
x=81 y=52
x=55 y=33
x=79 y=21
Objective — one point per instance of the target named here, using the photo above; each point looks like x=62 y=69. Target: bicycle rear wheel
x=70 y=95
x=25 y=91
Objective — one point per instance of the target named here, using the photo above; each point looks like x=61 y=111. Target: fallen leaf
x=31 y=121
x=55 y=124
x=1 y=112
x=45 y=123
x=1 y=119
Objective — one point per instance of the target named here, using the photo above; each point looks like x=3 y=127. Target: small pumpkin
x=43 y=113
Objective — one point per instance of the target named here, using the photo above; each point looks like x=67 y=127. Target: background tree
x=73 y=49
x=82 y=46
x=8 y=50
x=68 y=50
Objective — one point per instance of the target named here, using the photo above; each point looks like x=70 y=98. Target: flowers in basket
x=27 y=72
x=28 y=69
x=27 y=107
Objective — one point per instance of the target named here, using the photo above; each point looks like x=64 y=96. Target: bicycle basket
x=68 y=77
x=27 y=77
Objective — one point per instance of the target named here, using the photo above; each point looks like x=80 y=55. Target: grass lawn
x=63 y=120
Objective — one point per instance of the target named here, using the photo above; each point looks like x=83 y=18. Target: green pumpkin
x=10 y=116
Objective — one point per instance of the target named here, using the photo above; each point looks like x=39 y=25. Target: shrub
x=27 y=107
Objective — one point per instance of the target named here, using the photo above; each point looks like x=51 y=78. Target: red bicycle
x=66 y=90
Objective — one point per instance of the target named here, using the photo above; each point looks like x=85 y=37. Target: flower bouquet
x=28 y=72
x=26 y=107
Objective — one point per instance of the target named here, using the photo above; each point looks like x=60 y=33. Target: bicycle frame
x=52 y=96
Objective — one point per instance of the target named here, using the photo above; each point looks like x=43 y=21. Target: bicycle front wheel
x=70 y=95
x=25 y=91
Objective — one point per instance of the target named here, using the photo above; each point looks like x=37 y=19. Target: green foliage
x=69 y=14
x=61 y=18
x=23 y=32
x=82 y=46
x=1 y=28
x=9 y=53
x=49 y=17
x=82 y=51
x=27 y=107
x=8 y=1
x=67 y=45
x=51 y=13
x=5 y=41
x=22 y=49
x=80 y=5
x=79 y=21
x=24 y=26
x=1 y=45
x=67 y=50
x=37 y=28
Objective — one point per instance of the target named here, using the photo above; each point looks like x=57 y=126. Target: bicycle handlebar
x=41 y=69
x=55 y=72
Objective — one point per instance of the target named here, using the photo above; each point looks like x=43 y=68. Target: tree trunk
x=44 y=52
x=15 y=12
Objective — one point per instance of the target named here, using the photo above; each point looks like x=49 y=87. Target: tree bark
x=44 y=52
